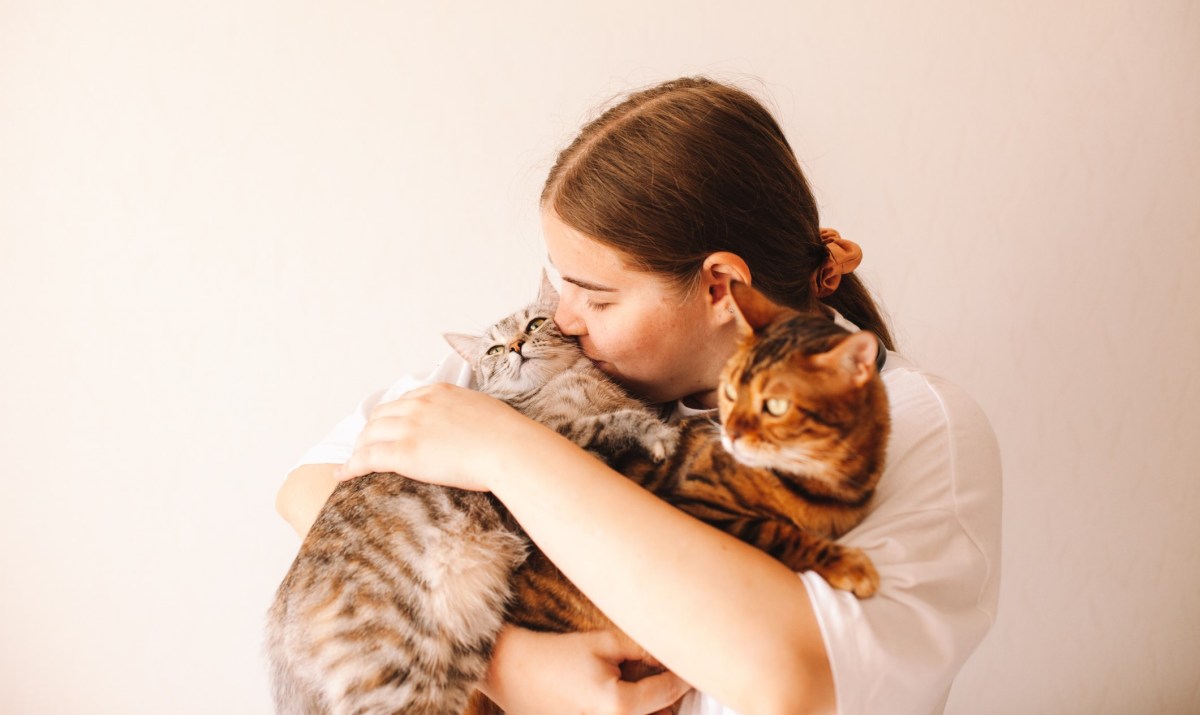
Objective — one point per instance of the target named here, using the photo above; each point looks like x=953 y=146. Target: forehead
x=518 y=321
x=507 y=325
x=580 y=259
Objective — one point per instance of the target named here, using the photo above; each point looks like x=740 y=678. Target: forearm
x=725 y=617
x=303 y=493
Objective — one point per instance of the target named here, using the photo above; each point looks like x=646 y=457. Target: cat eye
x=495 y=350
x=729 y=391
x=534 y=324
x=777 y=406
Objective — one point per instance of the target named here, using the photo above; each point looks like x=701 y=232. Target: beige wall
x=222 y=223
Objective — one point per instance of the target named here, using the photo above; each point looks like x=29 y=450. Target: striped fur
x=787 y=484
x=394 y=601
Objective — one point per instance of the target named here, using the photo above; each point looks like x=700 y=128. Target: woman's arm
x=725 y=617
x=722 y=615
x=589 y=662
x=303 y=493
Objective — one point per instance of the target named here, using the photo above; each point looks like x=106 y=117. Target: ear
x=465 y=345
x=753 y=310
x=855 y=357
x=718 y=271
x=546 y=293
x=717 y=275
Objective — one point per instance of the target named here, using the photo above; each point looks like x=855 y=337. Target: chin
x=597 y=361
x=648 y=393
x=750 y=457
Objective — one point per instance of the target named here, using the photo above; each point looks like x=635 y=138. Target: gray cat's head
x=522 y=352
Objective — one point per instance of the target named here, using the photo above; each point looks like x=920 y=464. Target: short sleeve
x=337 y=445
x=934 y=536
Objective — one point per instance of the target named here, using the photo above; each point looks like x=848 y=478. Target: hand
x=442 y=434
x=546 y=673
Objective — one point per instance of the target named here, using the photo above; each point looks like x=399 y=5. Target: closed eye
x=597 y=306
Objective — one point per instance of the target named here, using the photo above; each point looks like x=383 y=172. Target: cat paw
x=852 y=571
x=664 y=443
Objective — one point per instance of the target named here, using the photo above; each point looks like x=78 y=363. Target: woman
x=648 y=215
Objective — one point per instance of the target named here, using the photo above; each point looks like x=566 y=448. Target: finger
x=375 y=457
x=651 y=694
x=350 y=470
x=402 y=405
x=344 y=472
x=615 y=646
x=414 y=399
x=383 y=429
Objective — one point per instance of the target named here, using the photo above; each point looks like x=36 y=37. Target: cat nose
x=736 y=428
x=515 y=346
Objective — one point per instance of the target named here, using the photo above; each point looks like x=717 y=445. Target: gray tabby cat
x=395 y=599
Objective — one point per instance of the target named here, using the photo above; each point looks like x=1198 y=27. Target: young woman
x=648 y=215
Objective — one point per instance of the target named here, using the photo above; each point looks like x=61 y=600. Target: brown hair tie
x=844 y=257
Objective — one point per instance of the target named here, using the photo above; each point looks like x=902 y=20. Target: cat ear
x=855 y=357
x=465 y=345
x=546 y=294
x=752 y=309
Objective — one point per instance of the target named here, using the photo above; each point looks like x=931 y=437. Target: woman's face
x=636 y=327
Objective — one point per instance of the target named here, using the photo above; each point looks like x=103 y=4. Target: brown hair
x=690 y=167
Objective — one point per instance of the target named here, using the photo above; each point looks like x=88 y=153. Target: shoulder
x=452 y=369
x=933 y=533
x=338 y=443
x=938 y=432
x=939 y=498
x=914 y=390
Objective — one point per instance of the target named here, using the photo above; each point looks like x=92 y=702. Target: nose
x=515 y=346
x=737 y=426
x=567 y=318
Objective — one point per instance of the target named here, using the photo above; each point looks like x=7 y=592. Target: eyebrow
x=583 y=284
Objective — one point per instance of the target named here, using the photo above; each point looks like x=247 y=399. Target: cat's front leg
x=844 y=567
x=849 y=569
x=614 y=431
x=660 y=439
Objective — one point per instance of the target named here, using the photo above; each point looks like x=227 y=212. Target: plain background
x=223 y=223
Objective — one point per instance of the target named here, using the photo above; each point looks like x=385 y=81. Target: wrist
x=508 y=640
x=517 y=466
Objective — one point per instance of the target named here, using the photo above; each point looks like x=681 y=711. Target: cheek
x=641 y=344
x=613 y=333
x=613 y=344
x=654 y=347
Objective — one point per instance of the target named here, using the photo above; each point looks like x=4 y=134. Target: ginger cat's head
x=801 y=395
